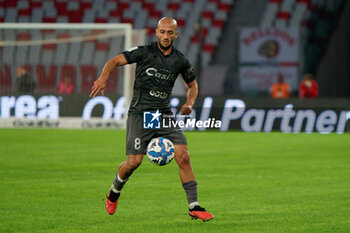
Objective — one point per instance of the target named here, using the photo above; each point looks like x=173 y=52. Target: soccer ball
x=160 y=151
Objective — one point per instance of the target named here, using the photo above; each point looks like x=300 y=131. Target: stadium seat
x=37 y=15
x=117 y=13
x=141 y=19
x=23 y=36
x=287 y=5
x=87 y=49
x=10 y=4
x=99 y=58
x=22 y=5
x=224 y=6
x=9 y=51
x=73 y=53
x=47 y=5
x=85 y=5
x=61 y=54
x=50 y=12
x=208 y=14
x=193 y=53
x=34 y=55
x=284 y=15
x=89 y=16
x=270 y=13
x=213 y=35
x=111 y=5
x=128 y=13
x=75 y=16
x=212 y=5
x=46 y=78
x=219 y=23
x=62 y=49
x=73 y=5
x=35 y=51
x=148 y=6
x=161 y=6
x=88 y=75
x=102 y=14
x=62 y=8
x=48 y=19
x=11 y=15
x=173 y=6
x=101 y=20
x=98 y=5
x=5 y=79
x=21 y=51
x=128 y=20
x=62 y=19
x=35 y=4
x=115 y=46
x=102 y=46
x=299 y=14
x=47 y=57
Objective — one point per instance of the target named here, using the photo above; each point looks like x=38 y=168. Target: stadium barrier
x=249 y=115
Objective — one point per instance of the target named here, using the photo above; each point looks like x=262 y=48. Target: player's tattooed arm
x=192 y=93
x=109 y=67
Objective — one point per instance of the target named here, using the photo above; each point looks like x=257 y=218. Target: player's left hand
x=186 y=109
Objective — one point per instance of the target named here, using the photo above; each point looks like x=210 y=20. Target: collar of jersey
x=172 y=50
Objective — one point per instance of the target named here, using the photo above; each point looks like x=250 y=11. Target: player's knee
x=183 y=158
x=134 y=161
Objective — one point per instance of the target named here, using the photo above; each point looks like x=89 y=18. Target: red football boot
x=201 y=213
x=111 y=206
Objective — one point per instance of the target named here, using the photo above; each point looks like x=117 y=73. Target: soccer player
x=158 y=65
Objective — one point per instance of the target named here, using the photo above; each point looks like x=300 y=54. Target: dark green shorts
x=137 y=137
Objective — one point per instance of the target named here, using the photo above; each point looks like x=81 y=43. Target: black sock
x=113 y=197
x=191 y=191
x=118 y=183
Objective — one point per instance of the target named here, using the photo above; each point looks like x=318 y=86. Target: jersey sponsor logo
x=158 y=94
x=160 y=75
x=151 y=120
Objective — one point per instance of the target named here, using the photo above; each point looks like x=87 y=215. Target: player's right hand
x=99 y=86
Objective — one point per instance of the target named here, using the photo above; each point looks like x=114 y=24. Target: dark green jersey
x=155 y=76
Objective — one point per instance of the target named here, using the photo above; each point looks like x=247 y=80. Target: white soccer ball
x=160 y=151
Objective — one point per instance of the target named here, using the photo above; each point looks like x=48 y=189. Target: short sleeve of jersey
x=135 y=54
x=187 y=72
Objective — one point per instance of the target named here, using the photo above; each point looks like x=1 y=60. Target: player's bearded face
x=166 y=35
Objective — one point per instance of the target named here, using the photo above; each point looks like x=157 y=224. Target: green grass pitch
x=56 y=181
